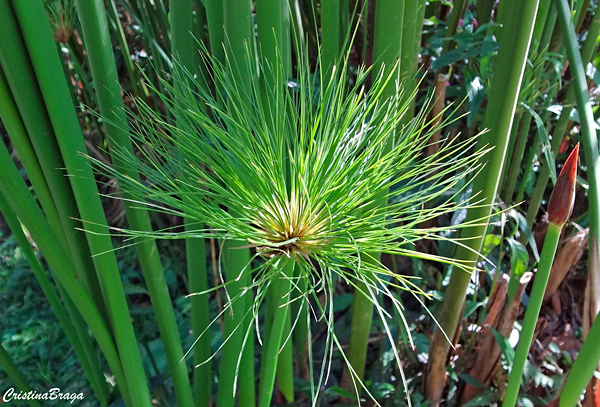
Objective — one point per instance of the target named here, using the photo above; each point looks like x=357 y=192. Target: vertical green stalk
x=273 y=35
x=182 y=42
x=200 y=32
x=387 y=40
x=13 y=373
x=511 y=145
x=216 y=33
x=409 y=31
x=239 y=55
x=387 y=43
x=183 y=51
x=92 y=366
x=542 y=181
x=581 y=8
x=587 y=361
x=269 y=31
x=414 y=12
x=331 y=40
x=513 y=164
x=282 y=287
x=484 y=10
x=506 y=83
x=531 y=314
x=239 y=41
x=360 y=328
x=273 y=51
x=14 y=125
x=102 y=64
x=540 y=23
x=559 y=211
x=236 y=323
x=197 y=282
x=517 y=157
x=285 y=363
x=548 y=33
x=20 y=140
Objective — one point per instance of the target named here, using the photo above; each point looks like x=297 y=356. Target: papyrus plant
x=298 y=172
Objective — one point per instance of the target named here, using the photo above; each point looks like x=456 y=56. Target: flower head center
x=290 y=226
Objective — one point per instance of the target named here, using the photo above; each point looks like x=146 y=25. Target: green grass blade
x=560 y=207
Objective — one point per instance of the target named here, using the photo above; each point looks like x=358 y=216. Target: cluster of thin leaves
x=310 y=169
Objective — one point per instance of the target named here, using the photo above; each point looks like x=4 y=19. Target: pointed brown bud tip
x=563 y=195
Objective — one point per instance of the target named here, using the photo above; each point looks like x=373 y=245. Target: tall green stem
x=183 y=51
x=100 y=55
x=531 y=314
x=587 y=361
x=20 y=140
x=360 y=328
x=517 y=157
x=241 y=64
x=589 y=139
x=216 y=33
x=197 y=282
x=560 y=207
x=236 y=323
x=388 y=40
x=182 y=42
x=331 y=40
x=504 y=92
x=282 y=287
x=273 y=35
x=138 y=86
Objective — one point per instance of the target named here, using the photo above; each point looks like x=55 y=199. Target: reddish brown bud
x=563 y=195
